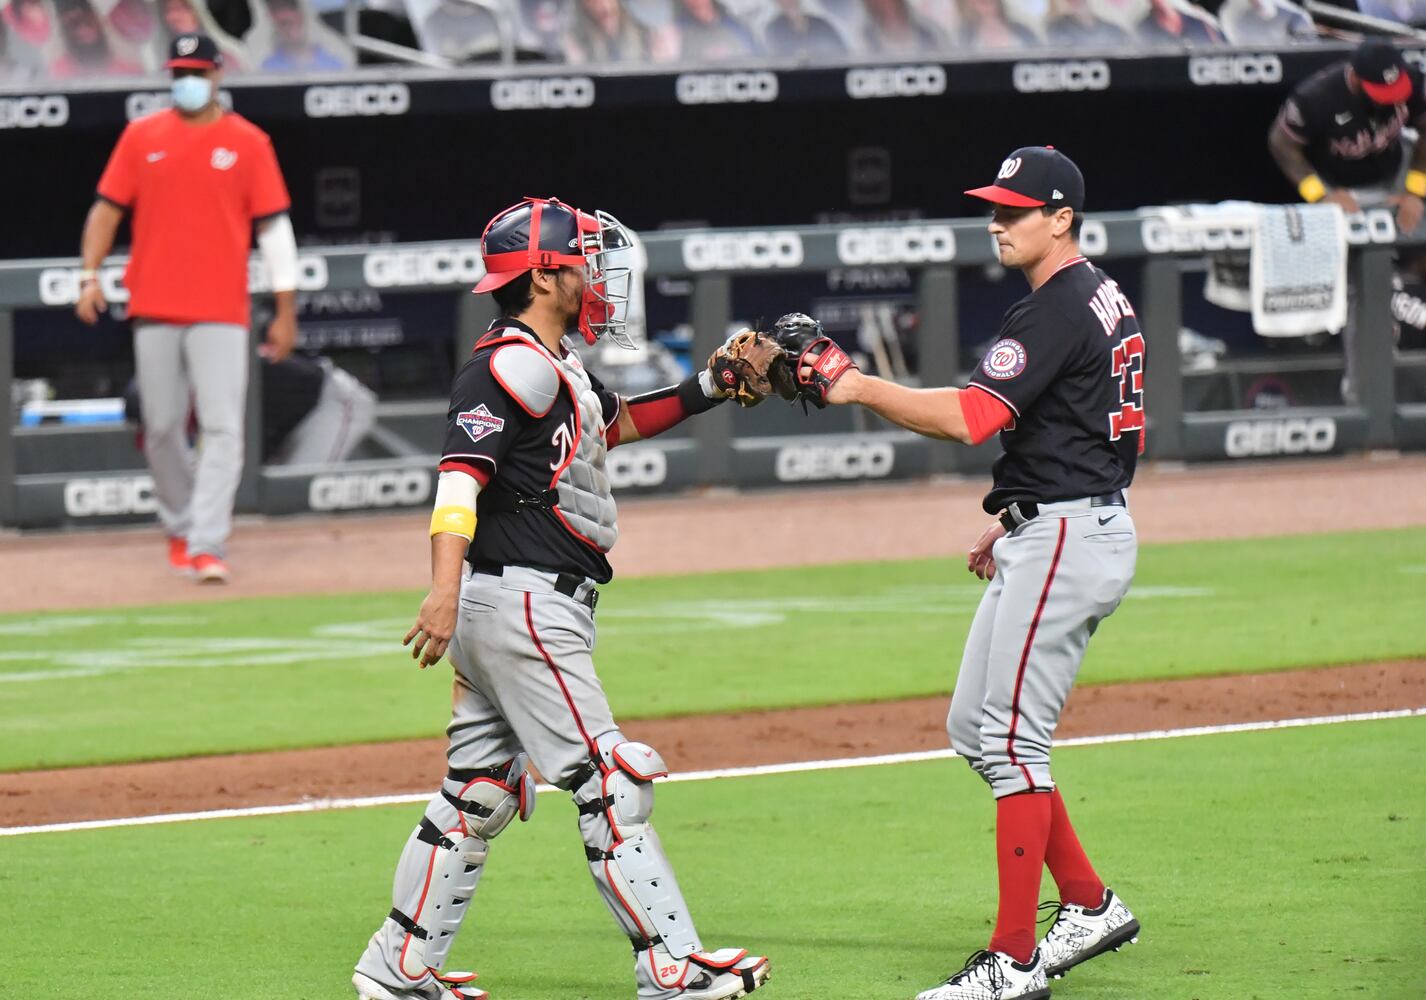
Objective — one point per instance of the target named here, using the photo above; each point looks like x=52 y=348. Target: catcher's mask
x=546 y=233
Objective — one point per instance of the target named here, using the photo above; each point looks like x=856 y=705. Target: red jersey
x=194 y=192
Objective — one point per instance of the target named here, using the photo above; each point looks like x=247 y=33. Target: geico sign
x=360 y=490
x=365 y=100
x=742 y=251
x=1375 y=225
x=311 y=275
x=542 y=92
x=1287 y=436
x=439 y=266
x=1160 y=236
x=812 y=462
x=636 y=467
x=34 y=112
x=106 y=497
x=1093 y=238
x=1216 y=71
x=1051 y=77
x=59 y=286
x=726 y=88
x=146 y=102
x=899 y=245
x=895 y=81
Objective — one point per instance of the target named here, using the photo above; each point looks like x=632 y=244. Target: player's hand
x=844 y=390
x=979 y=560
x=1343 y=197
x=281 y=336
x=91 y=303
x=435 y=624
x=1409 y=210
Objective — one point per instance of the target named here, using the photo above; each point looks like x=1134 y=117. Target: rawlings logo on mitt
x=750 y=367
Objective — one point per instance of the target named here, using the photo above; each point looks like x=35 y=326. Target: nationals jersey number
x=1128 y=371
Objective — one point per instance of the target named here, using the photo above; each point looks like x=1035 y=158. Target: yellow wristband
x=453 y=521
x=1416 y=183
x=1311 y=188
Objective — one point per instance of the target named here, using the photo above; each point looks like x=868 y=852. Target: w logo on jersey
x=479 y=422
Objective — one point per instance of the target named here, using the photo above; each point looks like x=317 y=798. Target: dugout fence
x=85 y=474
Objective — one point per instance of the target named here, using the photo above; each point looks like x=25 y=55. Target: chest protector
x=582 y=501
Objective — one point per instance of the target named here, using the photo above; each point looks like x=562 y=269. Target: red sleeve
x=267 y=191
x=119 y=182
x=985 y=415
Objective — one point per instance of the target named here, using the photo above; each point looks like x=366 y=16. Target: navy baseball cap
x=1382 y=70
x=1035 y=176
x=193 y=52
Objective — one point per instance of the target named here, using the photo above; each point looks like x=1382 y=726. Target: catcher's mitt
x=750 y=367
x=800 y=335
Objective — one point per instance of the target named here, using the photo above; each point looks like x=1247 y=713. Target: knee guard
x=441 y=866
x=615 y=796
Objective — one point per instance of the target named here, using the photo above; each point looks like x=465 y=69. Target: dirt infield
x=892 y=521
x=695 y=743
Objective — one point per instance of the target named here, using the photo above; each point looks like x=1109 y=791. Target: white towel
x=1298 y=274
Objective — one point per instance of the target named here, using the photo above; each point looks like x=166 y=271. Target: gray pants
x=524 y=681
x=344 y=413
x=1057 y=577
x=209 y=363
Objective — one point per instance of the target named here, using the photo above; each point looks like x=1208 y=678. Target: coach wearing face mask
x=197 y=180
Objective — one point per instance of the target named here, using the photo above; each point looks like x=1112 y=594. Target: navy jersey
x=1350 y=140
x=1069 y=363
x=492 y=437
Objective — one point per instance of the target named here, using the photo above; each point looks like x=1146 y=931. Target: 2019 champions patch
x=1004 y=360
x=479 y=422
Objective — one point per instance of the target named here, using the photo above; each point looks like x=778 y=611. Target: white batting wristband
x=454 y=511
x=278 y=245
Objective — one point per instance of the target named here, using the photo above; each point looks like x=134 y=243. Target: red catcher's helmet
x=546 y=233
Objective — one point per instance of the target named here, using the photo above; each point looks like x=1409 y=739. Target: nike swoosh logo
x=155 y=157
x=1105 y=520
x=1343 y=118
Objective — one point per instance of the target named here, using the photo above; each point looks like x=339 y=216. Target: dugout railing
x=62 y=475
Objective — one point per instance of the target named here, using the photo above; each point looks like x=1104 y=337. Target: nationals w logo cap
x=1035 y=176
x=1381 y=69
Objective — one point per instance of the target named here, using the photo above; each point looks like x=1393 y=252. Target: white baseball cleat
x=1079 y=934
x=993 y=975
x=453 y=986
x=717 y=975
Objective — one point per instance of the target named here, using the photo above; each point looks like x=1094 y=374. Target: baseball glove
x=800 y=335
x=750 y=367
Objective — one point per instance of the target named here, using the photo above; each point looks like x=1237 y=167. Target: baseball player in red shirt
x=195 y=180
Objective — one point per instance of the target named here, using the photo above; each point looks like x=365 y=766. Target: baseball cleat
x=994 y=975
x=718 y=975
x=210 y=569
x=1079 y=934
x=178 y=561
x=454 y=986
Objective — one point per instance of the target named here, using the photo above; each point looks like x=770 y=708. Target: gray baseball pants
x=1057 y=577
x=206 y=363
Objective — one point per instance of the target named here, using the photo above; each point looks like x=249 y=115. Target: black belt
x=1018 y=512
x=567 y=584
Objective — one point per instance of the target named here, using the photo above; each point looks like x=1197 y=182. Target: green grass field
x=256 y=674
x=1283 y=864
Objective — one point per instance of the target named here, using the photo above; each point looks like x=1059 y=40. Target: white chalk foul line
x=324 y=805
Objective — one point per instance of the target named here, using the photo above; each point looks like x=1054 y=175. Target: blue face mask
x=192 y=93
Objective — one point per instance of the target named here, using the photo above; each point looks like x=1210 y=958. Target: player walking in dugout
x=195 y=179
x=1063 y=385
x=513 y=601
